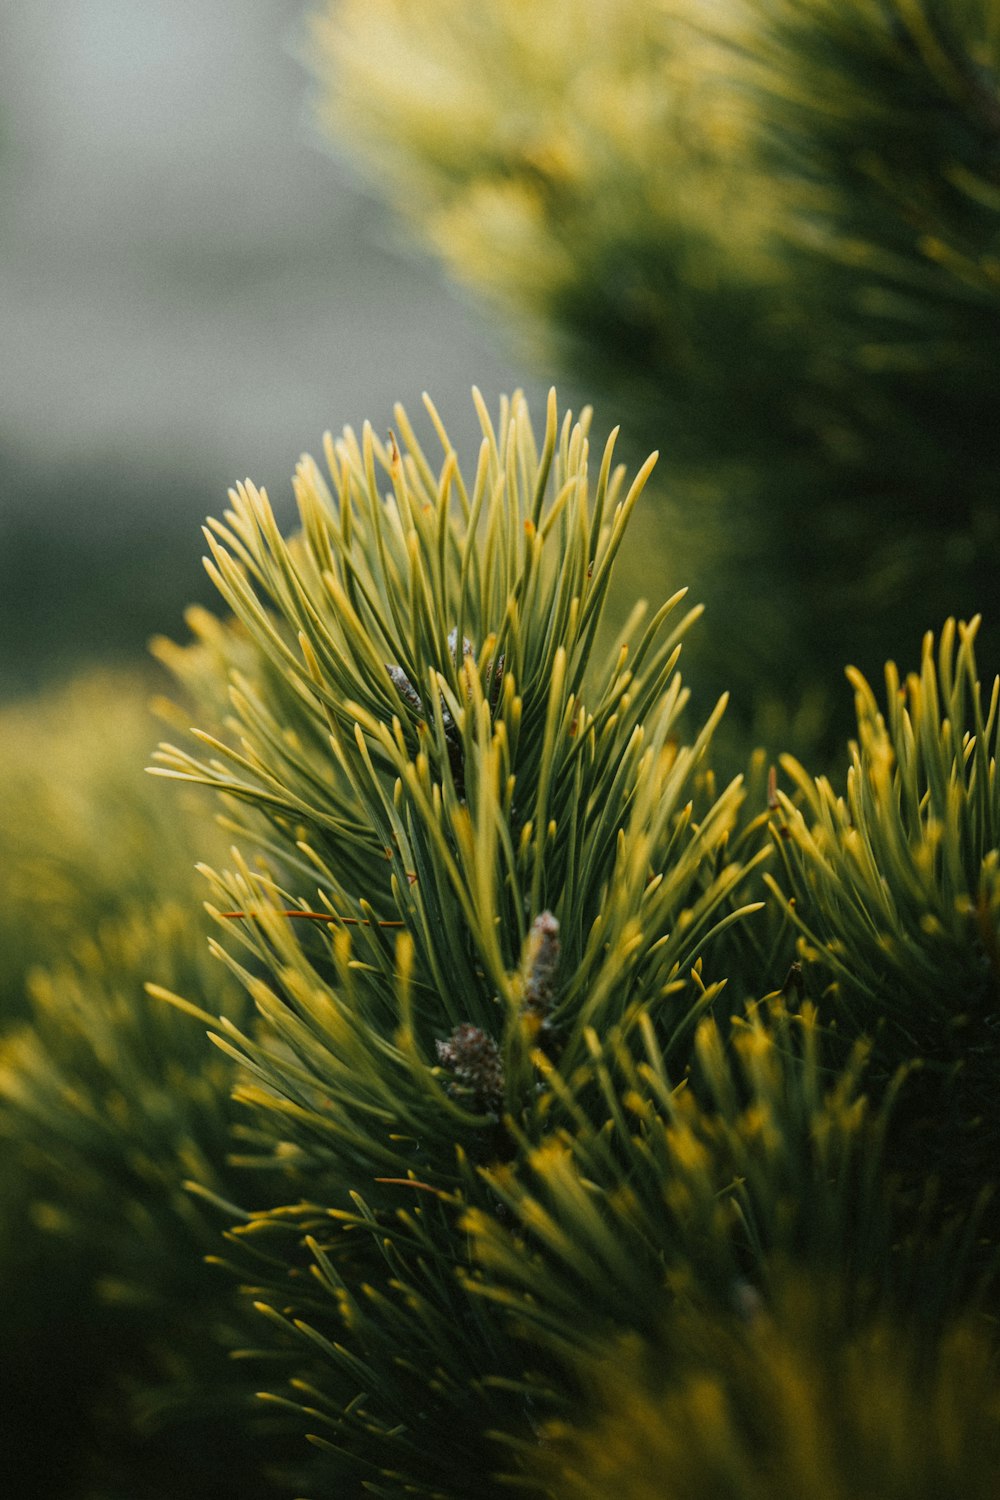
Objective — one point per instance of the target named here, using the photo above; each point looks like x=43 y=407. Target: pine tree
x=579 y=1119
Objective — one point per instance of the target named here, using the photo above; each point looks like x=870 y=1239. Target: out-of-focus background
x=193 y=287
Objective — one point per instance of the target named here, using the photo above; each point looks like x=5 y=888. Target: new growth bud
x=539 y=966
x=404 y=687
x=473 y=1058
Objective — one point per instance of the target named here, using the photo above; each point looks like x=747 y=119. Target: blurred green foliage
x=781 y=1402
x=88 y=838
x=115 y=1378
x=768 y=233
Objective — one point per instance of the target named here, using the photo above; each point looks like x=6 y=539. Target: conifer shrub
x=539 y=1078
x=541 y=1052
x=580 y=1119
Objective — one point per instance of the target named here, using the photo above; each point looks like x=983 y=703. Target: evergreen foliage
x=87 y=837
x=896 y=895
x=115 y=1378
x=112 y=1323
x=496 y=1104
x=488 y=902
x=522 y=817
x=769 y=233
x=580 y=1119
x=784 y=1402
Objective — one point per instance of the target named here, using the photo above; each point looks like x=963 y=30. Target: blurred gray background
x=192 y=289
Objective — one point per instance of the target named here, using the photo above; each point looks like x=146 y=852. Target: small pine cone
x=474 y=1060
x=453 y=645
x=404 y=687
x=540 y=964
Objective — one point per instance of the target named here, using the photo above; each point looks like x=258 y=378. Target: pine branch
x=463 y=768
